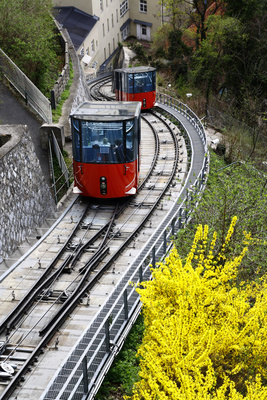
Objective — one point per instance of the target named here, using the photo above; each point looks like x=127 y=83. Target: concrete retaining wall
x=25 y=198
x=63 y=78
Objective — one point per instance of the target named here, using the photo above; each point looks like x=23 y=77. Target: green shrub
x=124 y=371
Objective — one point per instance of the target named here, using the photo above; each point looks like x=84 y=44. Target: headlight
x=103 y=185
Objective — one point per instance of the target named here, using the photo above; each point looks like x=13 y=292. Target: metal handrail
x=32 y=95
x=66 y=171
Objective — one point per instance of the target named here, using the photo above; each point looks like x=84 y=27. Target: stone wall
x=25 y=198
x=63 y=78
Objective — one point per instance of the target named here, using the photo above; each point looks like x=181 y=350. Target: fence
x=221 y=120
x=64 y=180
x=83 y=372
x=31 y=94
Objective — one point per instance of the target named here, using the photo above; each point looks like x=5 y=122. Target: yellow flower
x=203 y=334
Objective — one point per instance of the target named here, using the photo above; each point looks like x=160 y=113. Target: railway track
x=78 y=270
x=102 y=89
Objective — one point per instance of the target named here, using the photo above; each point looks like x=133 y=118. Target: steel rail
x=27 y=300
x=85 y=285
x=94 y=261
x=174 y=220
x=78 y=292
x=96 y=362
x=133 y=234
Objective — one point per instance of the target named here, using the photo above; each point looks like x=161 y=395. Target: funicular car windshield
x=104 y=142
x=144 y=82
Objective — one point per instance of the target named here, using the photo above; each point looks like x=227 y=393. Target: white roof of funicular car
x=107 y=111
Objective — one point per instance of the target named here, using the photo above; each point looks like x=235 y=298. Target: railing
x=85 y=369
x=57 y=186
x=90 y=78
x=31 y=94
x=187 y=112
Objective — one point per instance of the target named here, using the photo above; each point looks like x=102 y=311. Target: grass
x=124 y=371
x=56 y=114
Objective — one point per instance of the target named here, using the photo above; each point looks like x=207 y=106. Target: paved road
x=15 y=112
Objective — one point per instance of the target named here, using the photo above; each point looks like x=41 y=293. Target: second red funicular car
x=136 y=84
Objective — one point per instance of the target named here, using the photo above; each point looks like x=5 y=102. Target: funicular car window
x=103 y=141
x=76 y=140
x=130 y=142
x=130 y=88
x=143 y=82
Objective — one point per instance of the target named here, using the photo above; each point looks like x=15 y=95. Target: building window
x=112 y=21
x=109 y=49
x=106 y=2
x=101 y=5
x=108 y=24
x=143 y=29
x=93 y=46
x=113 y=44
x=125 y=33
x=82 y=51
x=117 y=15
x=103 y=30
x=143 y=6
x=124 y=7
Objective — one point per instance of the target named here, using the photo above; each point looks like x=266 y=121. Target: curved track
x=82 y=271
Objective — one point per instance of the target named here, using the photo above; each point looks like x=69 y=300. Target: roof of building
x=137 y=21
x=126 y=23
x=78 y=23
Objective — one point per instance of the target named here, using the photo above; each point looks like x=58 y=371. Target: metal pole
x=173 y=226
x=125 y=297
x=52 y=169
x=154 y=257
x=141 y=273
x=180 y=219
x=85 y=375
x=107 y=338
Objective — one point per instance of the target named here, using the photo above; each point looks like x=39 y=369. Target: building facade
x=97 y=26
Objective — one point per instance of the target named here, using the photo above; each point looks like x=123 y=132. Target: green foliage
x=160 y=42
x=173 y=11
x=202 y=10
x=140 y=52
x=236 y=189
x=182 y=87
x=160 y=80
x=228 y=53
x=177 y=48
x=215 y=55
x=244 y=142
x=245 y=10
x=56 y=114
x=124 y=371
x=247 y=80
x=27 y=36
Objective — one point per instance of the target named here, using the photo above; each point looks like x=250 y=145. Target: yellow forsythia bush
x=205 y=336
